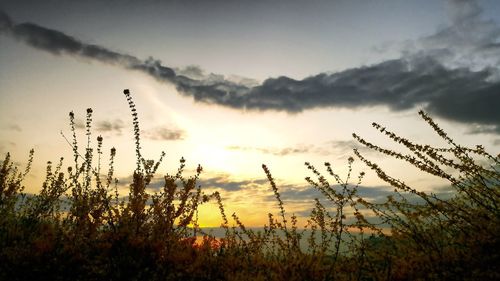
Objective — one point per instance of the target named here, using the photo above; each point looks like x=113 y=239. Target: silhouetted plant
x=446 y=239
x=78 y=227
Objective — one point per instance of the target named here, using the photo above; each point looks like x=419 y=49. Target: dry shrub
x=78 y=227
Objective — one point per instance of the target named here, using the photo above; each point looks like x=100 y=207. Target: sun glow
x=216 y=157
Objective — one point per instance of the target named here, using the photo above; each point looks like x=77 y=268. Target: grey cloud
x=375 y=193
x=296 y=193
x=291 y=150
x=191 y=71
x=79 y=124
x=12 y=127
x=371 y=193
x=343 y=148
x=469 y=40
x=422 y=78
x=5 y=22
x=6 y=146
x=481 y=129
x=110 y=126
x=334 y=147
x=463 y=10
x=102 y=126
x=248 y=82
x=154 y=68
x=274 y=151
x=224 y=182
x=15 y=127
x=379 y=193
x=58 y=43
x=299 y=197
x=305 y=195
x=165 y=133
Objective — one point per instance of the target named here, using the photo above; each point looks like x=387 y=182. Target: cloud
x=15 y=127
x=5 y=22
x=296 y=193
x=274 y=151
x=308 y=193
x=79 y=124
x=224 y=182
x=6 y=146
x=12 y=127
x=102 y=126
x=165 y=133
x=297 y=198
x=481 y=129
x=468 y=40
x=110 y=126
x=451 y=74
x=334 y=147
x=343 y=148
x=219 y=181
x=291 y=193
x=191 y=71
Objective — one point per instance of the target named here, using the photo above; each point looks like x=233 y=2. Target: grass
x=78 y=227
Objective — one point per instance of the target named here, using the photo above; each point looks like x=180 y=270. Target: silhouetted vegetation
x=79 y=228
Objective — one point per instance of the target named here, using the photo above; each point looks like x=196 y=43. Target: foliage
x=78 y=227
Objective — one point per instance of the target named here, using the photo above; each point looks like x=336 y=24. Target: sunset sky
x=231 y=85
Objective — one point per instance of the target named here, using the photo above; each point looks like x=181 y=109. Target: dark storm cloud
x=5 y=22
x=191 y=71
x=424 y=78
x=59 y=43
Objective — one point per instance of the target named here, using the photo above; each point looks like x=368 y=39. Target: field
x=79 y=228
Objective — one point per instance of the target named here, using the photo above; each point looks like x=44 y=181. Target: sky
x=232 y=85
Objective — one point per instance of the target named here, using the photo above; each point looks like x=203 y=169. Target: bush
x=78 y=227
